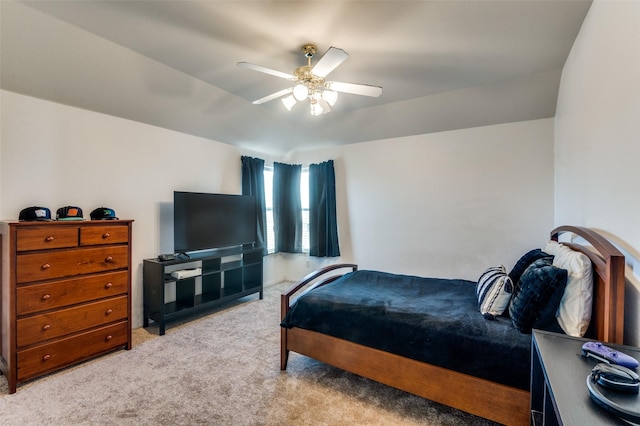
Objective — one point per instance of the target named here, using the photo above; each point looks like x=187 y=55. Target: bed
x=491 y=381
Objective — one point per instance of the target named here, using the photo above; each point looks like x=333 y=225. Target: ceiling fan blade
x=266 y=70
x=273 y=96
x=356 y=89
x=330 y=61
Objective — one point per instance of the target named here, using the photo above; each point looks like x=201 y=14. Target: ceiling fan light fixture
x=330 y=97
x=300 y=92
x=289 y=102
x=325 y=106
x=316 y=108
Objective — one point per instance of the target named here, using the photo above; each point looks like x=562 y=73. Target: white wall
x=447 y=204
x=597 y=137
x=55 y=155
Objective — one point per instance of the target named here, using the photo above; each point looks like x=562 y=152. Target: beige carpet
x=219 y=369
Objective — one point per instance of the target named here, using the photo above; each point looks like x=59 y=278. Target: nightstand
x=559 y=394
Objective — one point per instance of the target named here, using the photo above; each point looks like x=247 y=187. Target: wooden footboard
x=502 y=404
x=313 y=280
x=493 y=401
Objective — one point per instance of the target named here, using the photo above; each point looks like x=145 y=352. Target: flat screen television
x=204 y=221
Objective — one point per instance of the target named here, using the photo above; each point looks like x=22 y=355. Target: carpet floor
x=218 y=369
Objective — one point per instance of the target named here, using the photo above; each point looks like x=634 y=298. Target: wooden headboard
x=607 y=320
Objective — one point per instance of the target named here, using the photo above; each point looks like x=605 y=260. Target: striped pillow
x=494 y=291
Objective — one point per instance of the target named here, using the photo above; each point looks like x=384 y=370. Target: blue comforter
x=433 y=320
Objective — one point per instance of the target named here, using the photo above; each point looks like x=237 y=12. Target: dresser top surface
x=5 y=225
x=63 y=222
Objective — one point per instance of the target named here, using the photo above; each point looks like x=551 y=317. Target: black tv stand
x=225 y=274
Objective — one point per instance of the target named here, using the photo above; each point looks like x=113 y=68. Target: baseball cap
x=103 y=213
x=69 y=213
x=31 y=214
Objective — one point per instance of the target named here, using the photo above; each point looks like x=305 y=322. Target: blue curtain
x=253 y=184
x=323 y=224
x=287 y=207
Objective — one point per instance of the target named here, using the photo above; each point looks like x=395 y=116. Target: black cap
x=103 y=213
x=31 y=214
x=69 y=213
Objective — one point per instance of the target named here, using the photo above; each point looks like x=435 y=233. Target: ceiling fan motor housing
x=303 y=75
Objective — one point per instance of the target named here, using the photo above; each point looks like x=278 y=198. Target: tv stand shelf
x=226 y=274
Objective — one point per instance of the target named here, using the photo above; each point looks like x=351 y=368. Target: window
x=304 y=199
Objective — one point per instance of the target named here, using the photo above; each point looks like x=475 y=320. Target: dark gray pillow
x=537 y=295
x=523 y=263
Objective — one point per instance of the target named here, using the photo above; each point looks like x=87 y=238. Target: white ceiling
x=443 y=65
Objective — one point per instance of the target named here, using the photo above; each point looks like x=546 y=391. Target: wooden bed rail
x=286 y=295
x=607 y=322
x=285 y=299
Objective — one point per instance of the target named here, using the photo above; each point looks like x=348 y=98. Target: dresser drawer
x=46 y=238
x=50 y=265
x=41 y=359
x=70 y=320
x=56 y=294
x=94 y=235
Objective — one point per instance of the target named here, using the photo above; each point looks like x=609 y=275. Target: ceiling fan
x=309 y=82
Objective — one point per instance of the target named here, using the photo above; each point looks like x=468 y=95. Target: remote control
x=605 y=354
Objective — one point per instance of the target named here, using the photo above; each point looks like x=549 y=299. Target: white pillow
x=574 y=312
x=552 y=247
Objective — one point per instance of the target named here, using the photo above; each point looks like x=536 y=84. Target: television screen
x=207 y=221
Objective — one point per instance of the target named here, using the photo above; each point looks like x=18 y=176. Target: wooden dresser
x=65 y=295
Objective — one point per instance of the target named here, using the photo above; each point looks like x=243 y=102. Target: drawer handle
x=45 y=266
x=106 y=235
x=109 y=337
x=109 y=259
x=49 y=239
x=46 y=296
x=46 y=326
x=46 y=357
x=109 y=312
x=108 y=285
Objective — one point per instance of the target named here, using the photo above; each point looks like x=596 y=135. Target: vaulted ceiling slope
x=443 y=65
